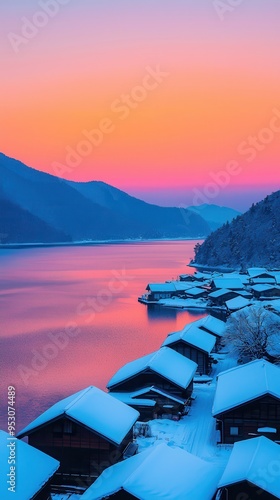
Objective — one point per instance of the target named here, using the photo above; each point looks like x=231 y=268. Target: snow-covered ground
x=195 y=432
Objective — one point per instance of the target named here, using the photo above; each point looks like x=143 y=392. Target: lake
x=70 y=316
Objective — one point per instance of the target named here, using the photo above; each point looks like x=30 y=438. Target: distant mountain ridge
x=214 y=214
x=251 y=239
x=83 y=211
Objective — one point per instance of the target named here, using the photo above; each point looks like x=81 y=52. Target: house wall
x=245 y=491
x=149 y=378
x=123 y=495
x=219 y=301
x=244 y=421
x=199 y=357
x=44 y=493
x=80 y=451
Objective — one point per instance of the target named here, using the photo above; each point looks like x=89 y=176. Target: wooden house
x=266 y=291
x=165 y=369
x=237 y=303
x=196 y=293
x=152 y=402
x=252 y=471
x=230 y=283
x=219 y=297
x=86 y=432
x=34 y=470
x=186 y=277
x=212 y=325
x=194 y=344
x=247 y=402
x=156 y=473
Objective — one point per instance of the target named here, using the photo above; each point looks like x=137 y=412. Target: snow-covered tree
x=254 y=333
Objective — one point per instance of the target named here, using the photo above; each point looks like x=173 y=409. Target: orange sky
x=222 y=90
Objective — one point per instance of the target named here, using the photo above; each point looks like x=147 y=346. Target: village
x=215 y=291
x=190 y=420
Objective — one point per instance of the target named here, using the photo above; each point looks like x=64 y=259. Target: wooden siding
x=248 y=418
x=79 y=450
x=196 y=355
x=244 y=491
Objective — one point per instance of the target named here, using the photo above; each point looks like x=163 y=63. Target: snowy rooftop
x=219 y=293
x=246 y=382
x=166 y=362
x=193 y=336
x=157 y=473
x=161 y=287
x=237 y=303
x=264 y=287
x=247 y=461
x=256 y=271
x=213 y=325
x=33 y=469
x=94 y=409
x=195 y=291
x=133 y=397
x=231 y=283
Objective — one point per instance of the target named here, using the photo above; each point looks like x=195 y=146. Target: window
x=233 y=431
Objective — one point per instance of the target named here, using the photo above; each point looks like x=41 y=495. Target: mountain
x=251 y=239
x=215 y=215
x=73 y=211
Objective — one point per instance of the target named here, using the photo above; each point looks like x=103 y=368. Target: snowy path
x=196 y=432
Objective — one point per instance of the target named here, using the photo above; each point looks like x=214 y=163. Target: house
x=34 y=470
x=186 y=277
x=196 y=293
x=252 y=471
x=266 y=291
x=165 y=369
x=229 y=283
x=219 y=297
x=156 y=473
x=194 y=344
x=152 y=402
x=157 y=291
x=259 y=272
x=86 y=432
x=237 y=303
x=247 y=402
x=212 y=325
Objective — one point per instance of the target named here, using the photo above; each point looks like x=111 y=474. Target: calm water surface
x=85 y=297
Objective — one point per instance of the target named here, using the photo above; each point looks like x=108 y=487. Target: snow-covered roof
x=157 y=473
x=247 y=459
x=131 y=398
x=237 y=303
x=193 y=336
x=219 y=293
x=93 y=408
x=195 y=291
x=33 y=468
x=181 y=286
x=161 y=287
x=256 y=271
x=244 y=383
x=231 y=283
x=264 y=287
x=213 y=325
x=166 y=362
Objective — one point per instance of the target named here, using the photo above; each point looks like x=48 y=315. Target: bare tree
x=254 y=333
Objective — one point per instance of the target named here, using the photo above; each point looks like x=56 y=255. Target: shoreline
x=18 y=246
x=213 y=268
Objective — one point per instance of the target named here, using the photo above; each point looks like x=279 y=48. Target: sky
x=174 y=101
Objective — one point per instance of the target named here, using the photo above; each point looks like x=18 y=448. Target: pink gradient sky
x=222 y=87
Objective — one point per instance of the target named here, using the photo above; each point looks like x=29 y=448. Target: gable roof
x=212 y=325
x=28 y=459
x=156 y=473
x=165 y=362
x=92 y=408
x=237 y=303
x=264 y=287
x=246 y=383
x=231 y=283
x=132 y=397
x=161 y=287
x=220 y=293
x=247 y=459
x=193 y=336
x=195 y=291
